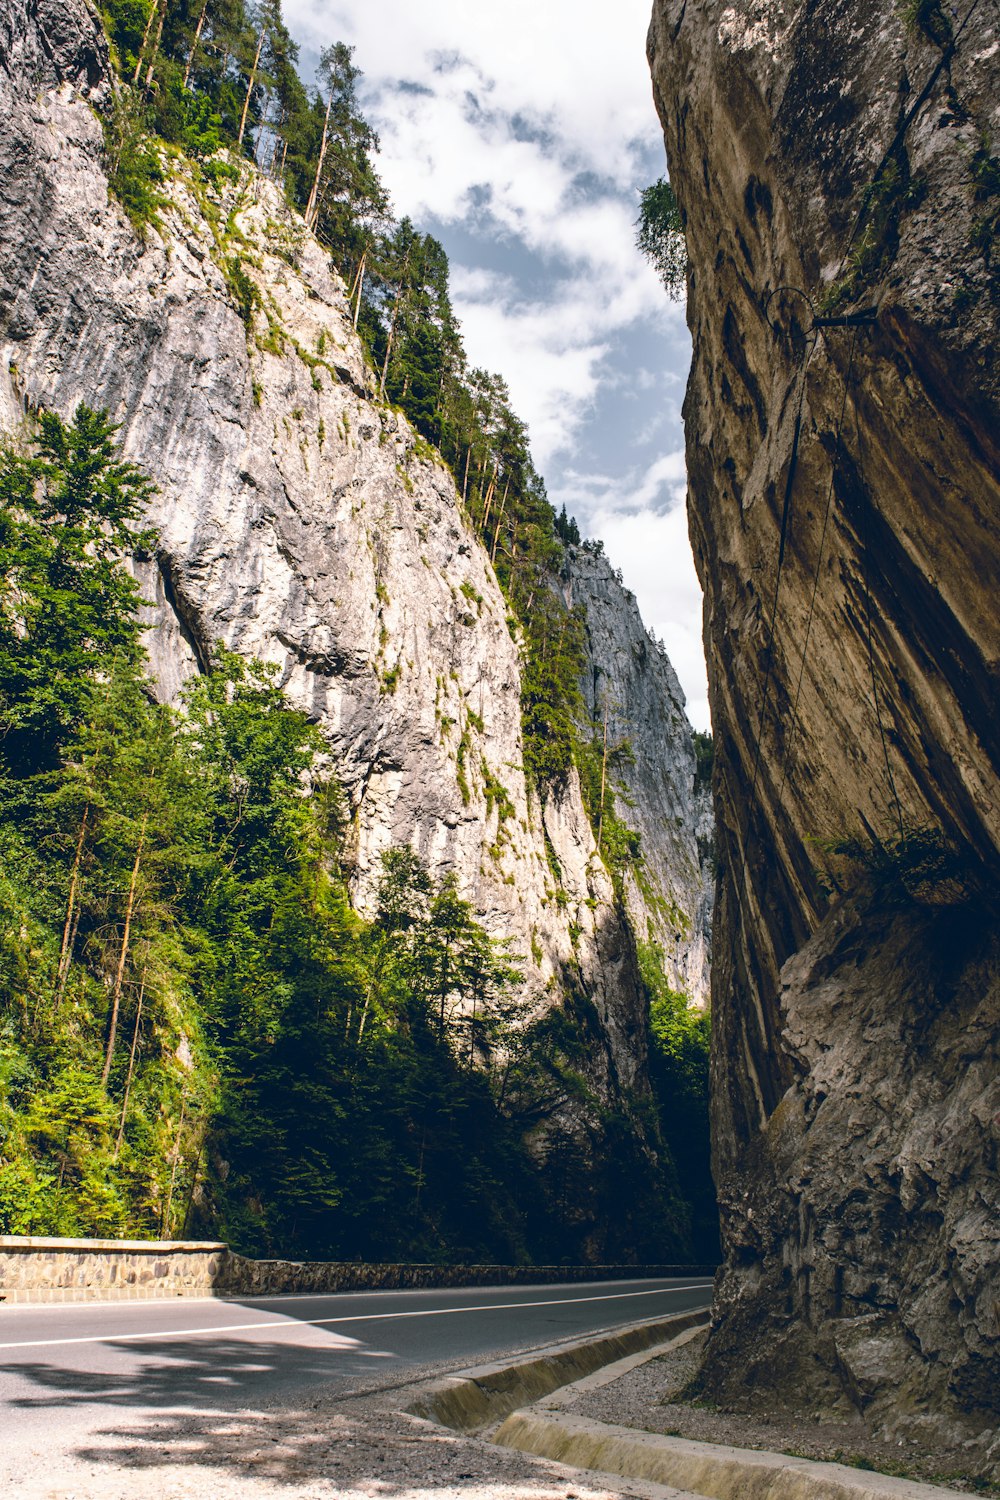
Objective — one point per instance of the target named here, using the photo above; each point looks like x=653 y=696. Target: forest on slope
x=197 y=1030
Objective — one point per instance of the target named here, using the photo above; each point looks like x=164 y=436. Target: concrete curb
x=708 y=1469
x=491 y=1392
x=663 y=1466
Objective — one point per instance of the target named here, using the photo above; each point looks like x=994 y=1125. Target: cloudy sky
x=520 y=135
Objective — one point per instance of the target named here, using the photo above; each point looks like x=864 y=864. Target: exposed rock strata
x=299 y=520
x=857 y=1104
x=630 y=685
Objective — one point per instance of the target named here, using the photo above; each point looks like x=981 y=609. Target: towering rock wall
x=844 y=513
x=300 y=520
x=636 y=705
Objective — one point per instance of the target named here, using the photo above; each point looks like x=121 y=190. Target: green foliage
x=461 y=760
x=125 y=24
x=68 y=517
x=704 y=759
x=915 y=865
x=496 y=794
x=679 y=1066
x=600 y=764
x=660 y=236
x=197 y=1033
x=566 y=529
x=135 y=173
x=892 y=193
x=217 y=171
x=201 y=132
x=930 y=17
x=244 y=290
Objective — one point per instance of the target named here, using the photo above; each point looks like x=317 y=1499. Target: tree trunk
x=496 y=534
x=490 y=492
x=444 y=992
x=400 y=296
x=420 y=1171
x=465 y=481
x=156 y=48
x=145 y=38
x=131 y=1064
x=253 y=80
x=264 y=129
x=311 y=210
x=276 y=130
x=116 y=993
x=194 y=44
x=66 y=952
x=165 y=1224
x=196 y=1172
x=472 y=1028
x=358 y=287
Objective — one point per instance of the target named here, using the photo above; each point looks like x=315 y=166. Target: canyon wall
x=836 y=169
x=302 y=521
x=636 y=705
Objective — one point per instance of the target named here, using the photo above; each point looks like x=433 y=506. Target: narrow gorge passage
x=379 y=894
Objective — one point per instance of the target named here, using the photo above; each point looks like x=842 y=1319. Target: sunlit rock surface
x=304 y=523
x=857 y=1103
x=630 y=687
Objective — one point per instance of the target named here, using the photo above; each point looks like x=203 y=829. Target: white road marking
x=276 y=1322
x=378 y=1291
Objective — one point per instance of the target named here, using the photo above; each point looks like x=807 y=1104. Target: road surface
x=71 y=1372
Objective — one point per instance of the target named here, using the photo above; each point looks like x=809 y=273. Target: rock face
x=844 y=512
x=630 y=685
x=299 y=520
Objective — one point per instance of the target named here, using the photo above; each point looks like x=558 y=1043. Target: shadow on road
x=205 y=1373
x=202 y=1406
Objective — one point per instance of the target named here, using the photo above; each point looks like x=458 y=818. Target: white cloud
x=642 y=521
x=659 y=488
x=526 y=123
x=573 y=70
x=654 y=554
x=551 y=349
x=530 y=128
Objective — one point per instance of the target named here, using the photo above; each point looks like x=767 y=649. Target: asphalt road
x=67 y=1371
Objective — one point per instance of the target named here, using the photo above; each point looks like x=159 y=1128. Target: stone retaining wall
x=65 y=1270
x=57 y=1270
x=269 y=1277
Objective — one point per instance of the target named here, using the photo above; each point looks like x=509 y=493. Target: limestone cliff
x=844 y=513
x=300 y=520
x=636 y=707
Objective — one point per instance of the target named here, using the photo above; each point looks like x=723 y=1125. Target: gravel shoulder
x=651 y=1398
x=351 y=1446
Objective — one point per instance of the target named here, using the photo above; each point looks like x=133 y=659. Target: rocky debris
x=844 y=512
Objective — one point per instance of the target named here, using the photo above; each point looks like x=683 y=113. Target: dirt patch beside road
x=653 y=1398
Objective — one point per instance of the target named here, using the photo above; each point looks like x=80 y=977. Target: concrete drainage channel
x=527 y=1404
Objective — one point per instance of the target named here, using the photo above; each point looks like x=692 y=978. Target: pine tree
x=68 y=603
